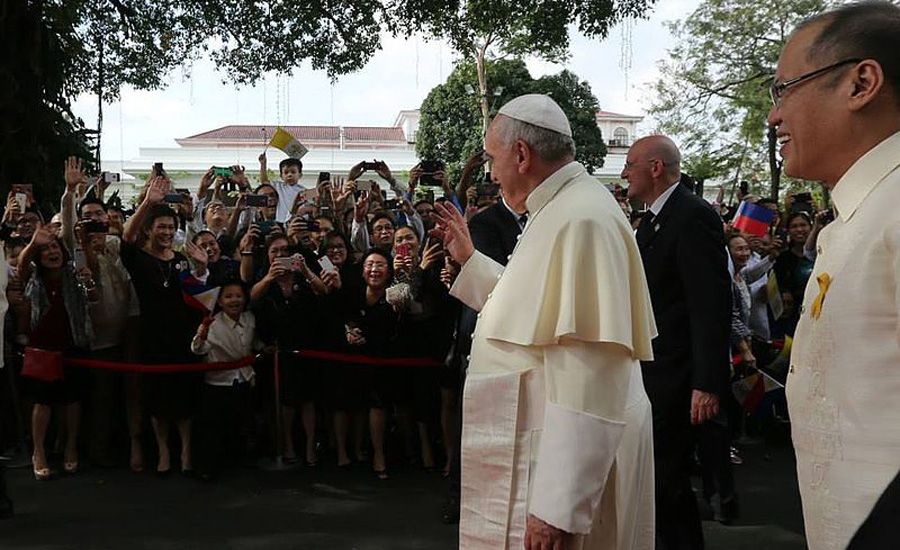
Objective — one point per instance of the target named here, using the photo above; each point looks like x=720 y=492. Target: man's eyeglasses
x=777 y=89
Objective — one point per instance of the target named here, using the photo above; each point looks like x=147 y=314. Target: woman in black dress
x=59 y=323
x=284 y=302
x=371 y=329
x=167 y=323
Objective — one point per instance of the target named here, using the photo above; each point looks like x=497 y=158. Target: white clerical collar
x=550 y=186
x=660 y=201
x=865 y=174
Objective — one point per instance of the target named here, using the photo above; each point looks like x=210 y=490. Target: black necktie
x=645 y=229
x=523 y=219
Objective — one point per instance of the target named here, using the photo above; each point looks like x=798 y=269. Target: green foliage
x=713 y=91
x=450 y=127
x=514 y=27
x=37 y=127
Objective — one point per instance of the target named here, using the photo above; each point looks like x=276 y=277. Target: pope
x=557 y=438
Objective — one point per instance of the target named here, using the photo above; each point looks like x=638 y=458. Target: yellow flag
x=774 y=295
x=282 y=139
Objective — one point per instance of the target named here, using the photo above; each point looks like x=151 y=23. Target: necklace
x=167 y=274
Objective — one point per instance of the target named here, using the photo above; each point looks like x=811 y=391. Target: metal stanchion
x=20 y=458
x=278 y=462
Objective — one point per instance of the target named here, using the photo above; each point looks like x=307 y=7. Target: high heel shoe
x=71 y=468
x=40 y=474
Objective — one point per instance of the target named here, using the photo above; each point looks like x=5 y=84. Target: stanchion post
x=279 y=421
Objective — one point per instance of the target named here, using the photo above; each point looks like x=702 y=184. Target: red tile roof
x=303 y=133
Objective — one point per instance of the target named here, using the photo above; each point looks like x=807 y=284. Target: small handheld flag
x=282 y=139
x=753 y=219
x=198 y=295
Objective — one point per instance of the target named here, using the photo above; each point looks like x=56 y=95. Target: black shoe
x=450 y=512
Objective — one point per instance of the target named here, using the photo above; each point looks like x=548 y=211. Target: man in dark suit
x=495 y=231
x=683 y=250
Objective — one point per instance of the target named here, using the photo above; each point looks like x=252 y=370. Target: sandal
x=40 y=474
x=70 y=468
x=382 y=474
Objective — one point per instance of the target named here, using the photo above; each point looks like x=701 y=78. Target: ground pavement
x=320 y=509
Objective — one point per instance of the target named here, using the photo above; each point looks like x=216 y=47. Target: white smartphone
x=364 y=185
x=22 y=200
x=327 y=264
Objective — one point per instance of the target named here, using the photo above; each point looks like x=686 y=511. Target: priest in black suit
x=682 y=245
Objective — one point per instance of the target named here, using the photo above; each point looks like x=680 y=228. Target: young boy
x=288 y=188
x=228 y=336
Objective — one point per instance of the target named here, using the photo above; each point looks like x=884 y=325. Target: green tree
x=712 y=93
x=450 y=127
x=482 y=30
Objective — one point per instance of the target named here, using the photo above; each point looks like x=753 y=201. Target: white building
x=332 y=149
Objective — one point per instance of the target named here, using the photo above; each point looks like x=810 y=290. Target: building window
x=620 y=138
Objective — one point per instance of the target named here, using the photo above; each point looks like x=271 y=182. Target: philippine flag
x=753 y=219
x=198 y=295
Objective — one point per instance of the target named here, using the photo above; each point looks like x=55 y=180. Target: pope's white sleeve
x=587 y=388
x=476 y=280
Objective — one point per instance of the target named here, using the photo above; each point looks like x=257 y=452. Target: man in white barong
x=557 y=438
x=836 y=109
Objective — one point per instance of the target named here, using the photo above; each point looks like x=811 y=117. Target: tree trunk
x=774 y=164
x=482 y=91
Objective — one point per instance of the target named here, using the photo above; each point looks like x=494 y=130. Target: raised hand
x=452 y=229
x=74 y=173
x=197 y=254
x=42 y=237
x=361 y=207
x=356 y=171
x=156 y=190
x=434 y=252
x=381 y=168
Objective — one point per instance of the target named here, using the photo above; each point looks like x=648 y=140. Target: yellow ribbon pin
x=824 y=281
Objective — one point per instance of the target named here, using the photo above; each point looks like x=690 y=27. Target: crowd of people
x=333 y=268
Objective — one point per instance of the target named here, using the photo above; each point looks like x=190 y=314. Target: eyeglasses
x=629 y=165
x=777 y=89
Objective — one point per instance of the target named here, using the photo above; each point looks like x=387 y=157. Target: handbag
x=43 y=365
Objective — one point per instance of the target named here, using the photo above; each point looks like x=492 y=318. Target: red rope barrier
x=321 y=355
x=157 y=369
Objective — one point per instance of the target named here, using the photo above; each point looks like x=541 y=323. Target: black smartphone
x=257 y=201
x=429 y=168
x=95 y=227
x=174 y=198
x=266 y=226
x=392 y=204
x=370 y=165
x=803 y=197
x=158 y=169
x=324 y=176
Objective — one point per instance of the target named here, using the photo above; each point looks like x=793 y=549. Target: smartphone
x=370 y=166
x=22 y=201
x=222 y=171
x=403 y=249
x=95 y=227
x=326 y=264
x=364 y=185
x=158 y=169
x=266 y=226
x=111 y=177
x=310 y=195
x=324 y=176
x=392 y=204
x=429 y=167
x=174 y=198
x=80 y=259
x=258 y=201
x=803 y=197
x=284 y=262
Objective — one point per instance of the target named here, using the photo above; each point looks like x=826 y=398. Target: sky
x=398 y=77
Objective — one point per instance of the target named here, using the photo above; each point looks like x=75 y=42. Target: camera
x=111 y=177
x=371 y=165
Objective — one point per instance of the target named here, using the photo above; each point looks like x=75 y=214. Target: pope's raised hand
x=453 y=232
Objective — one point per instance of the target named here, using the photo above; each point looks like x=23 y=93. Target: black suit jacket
x=686 y=264
x=494 y=231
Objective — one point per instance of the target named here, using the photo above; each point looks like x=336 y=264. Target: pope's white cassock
x=843 y=386
x=556 y=422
